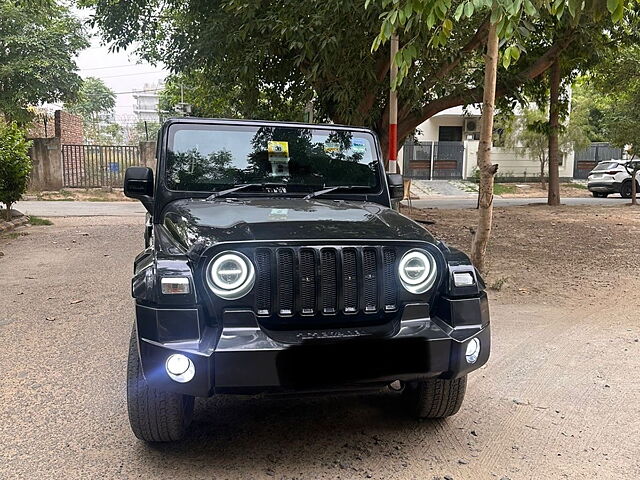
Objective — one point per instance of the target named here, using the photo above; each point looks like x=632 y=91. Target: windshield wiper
x=222 y=193
x=331 y=189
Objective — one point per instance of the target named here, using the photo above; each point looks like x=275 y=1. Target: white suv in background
x=610 y=177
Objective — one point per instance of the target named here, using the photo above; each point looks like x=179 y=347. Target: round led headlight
x=417 y=271
x=230 y=275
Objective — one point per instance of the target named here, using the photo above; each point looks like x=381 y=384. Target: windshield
x=605 y=166
x=209 y=158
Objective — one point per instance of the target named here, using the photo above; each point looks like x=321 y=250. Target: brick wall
x=66 y=126
x=43 y=126
x=69 y=128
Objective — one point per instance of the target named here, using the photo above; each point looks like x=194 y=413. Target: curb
x=18 y=222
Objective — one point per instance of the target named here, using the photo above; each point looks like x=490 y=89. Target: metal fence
x=448 y=158
x=586 y=160
x=97 y=165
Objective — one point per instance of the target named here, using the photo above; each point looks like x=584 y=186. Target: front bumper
x=604 y=187
x=249 y=359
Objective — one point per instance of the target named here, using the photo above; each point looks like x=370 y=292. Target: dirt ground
x=558 y=399
x=529 y=190
x=81 y=194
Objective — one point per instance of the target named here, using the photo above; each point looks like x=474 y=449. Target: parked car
x=274 y=263
x=610 y=177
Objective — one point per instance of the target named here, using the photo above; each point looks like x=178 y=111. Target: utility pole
x=393 y=108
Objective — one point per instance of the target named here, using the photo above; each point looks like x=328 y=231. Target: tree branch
x=382 y=68
x=474 y=95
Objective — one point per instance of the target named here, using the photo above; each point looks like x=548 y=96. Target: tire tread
x=154 y=415
x=438 y=398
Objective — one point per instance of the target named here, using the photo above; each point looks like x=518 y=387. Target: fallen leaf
x=50 y=319
x=76 y=301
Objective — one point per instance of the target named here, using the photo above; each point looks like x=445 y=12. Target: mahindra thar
x=275 y=263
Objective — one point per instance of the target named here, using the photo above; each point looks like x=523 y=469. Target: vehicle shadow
x=261 y=434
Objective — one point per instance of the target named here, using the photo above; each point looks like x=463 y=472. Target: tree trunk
x=553 y=197
x=7 y=212
x=543 y=161
x=634 y=187
x=487 y=170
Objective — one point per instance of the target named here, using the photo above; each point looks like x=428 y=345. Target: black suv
x=274 y=263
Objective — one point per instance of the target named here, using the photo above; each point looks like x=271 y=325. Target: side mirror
x=396 y=186
x=138 y=183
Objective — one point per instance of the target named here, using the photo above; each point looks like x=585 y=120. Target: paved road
x=541 y=408
x=449 y=202
x=80 y=209
x=92 y=209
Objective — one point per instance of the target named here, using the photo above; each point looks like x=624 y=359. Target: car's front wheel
x=435 y=397
x=154 y=415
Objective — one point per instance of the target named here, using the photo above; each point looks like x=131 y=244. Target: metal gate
x=447 y=164
x=586 y=160
x=90 y=166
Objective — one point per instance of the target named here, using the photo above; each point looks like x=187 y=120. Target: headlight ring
x=417 y=271
x=230 y=275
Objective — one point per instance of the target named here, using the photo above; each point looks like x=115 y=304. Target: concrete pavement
x=452 y=202
x=80 y=209
x=127 y=209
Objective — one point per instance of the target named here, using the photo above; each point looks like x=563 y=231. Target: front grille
x=325 y=280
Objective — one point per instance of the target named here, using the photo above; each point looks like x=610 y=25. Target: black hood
x=196 y=224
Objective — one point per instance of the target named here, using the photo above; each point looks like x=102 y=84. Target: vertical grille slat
x=370 y=280
x=307 y=281
x=285 y=281
x=350 y=280
x=329 y=290
x=263 y=280
x=390 y=289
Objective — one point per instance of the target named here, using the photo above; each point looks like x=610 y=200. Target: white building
x=147 y=103
x=452 y=137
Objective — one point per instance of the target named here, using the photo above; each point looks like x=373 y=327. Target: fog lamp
x=180 y=368
x=473 y=350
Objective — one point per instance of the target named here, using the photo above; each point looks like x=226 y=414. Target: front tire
x=154 y=415
x=435 y=397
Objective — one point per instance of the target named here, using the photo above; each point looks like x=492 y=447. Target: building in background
x=147 y=103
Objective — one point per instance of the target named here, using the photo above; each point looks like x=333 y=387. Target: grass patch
x=39 y=221
x=14 y=235
x=96 y=199
x=501 y=189
x=579 y=186
x=498 y=284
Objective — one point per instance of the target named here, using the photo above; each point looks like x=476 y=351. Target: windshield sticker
x=279 y=158
x=280 y=149
x=358 y=146
x=331 y=147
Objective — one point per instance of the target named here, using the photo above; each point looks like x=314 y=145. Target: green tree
x=513 y=21
x=15 y=164
x=288 y=52
x=95 y=103
x=617 y=80
x=38 y=45
x=528 y=133
x=210 y=96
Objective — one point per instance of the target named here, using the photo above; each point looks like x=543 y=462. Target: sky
x=121 y=71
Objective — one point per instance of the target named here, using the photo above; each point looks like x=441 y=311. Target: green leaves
x=510 y=54
x=15 y=164
x=37 y=56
